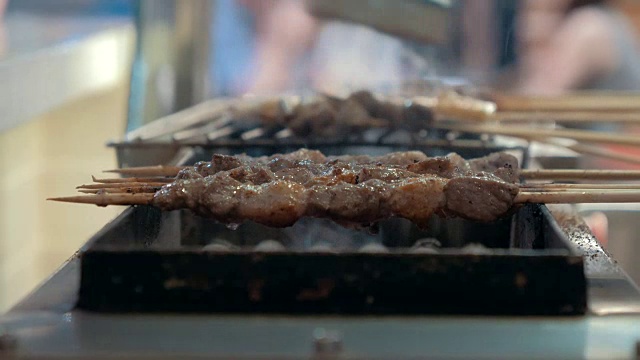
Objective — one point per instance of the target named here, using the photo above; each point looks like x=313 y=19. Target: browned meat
x=402 y=158
x=299 y=175
x=221 y=163
x=417 y=117
x=418 y=199
x=331 y=116
x=313 y=119
x=479 y=198
x=352 y=113
x=355 y=203
x=255 y=174
x=449 y=166
x=286 y=203
x=367 y=101
x=279 y=190
x=303 y=154
x=395 y=164
x=191 y=173
x=501 y=164
x=384 y=173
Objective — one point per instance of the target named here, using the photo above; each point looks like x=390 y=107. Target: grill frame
x=141 y=240
x=137 y=264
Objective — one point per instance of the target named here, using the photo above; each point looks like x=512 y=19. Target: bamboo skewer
x=523 y=187
x=571 y=174
x=593 y=151
x=577 y=197
x=533 y=133
x=134 y=190
x=577 y=187
x=572 y=117
x=160 y=170
x=585 y=101
x=108 y=199
x=545 y=174
x=131 y=180
x=555 y=197
x=110 y=186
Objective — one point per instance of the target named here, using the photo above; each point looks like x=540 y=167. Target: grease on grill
x=597 y=260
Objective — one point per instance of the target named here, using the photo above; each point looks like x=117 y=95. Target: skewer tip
x=107 y=199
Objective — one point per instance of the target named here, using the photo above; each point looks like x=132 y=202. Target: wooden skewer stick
x=122 y=190
x=577 y=187
x=88 y=191
x=108 y=199
x=131 y=180
x=109 y=186
x=545 y=174
x=593 y=196
x=594 y=151
x=533 y=133
x=584 y=101
x=160 y=170
x=578 y=197
x=572 y=117
x=119 y=191
x=571 y=174
x=524 y=187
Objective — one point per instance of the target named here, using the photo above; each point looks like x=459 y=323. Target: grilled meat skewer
x=352 y=190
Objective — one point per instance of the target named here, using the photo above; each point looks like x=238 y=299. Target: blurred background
x=75 y=74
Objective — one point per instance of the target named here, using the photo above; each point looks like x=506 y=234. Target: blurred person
x=3 y=7
x=285 y=34
x=259 y=45
x=275 y=46
x=569 y=45
x=3 y=30
x=576 y=44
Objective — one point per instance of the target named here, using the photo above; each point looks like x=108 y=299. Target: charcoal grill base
x=148 y=268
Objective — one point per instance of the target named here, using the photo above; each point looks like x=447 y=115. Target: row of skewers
x=328 y=117
x=559 y=186
x=272 y=201
x=352 y=190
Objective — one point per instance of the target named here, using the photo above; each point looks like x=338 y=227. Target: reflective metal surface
x=46 y=326
x=171 y=66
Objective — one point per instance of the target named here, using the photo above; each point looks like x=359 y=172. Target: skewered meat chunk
x=316 y=119
x=331 y=116
x=501 y=164
x=279 y=190
x=481 y=198
x=418 y=199
x=286 y=203
x=448 y=166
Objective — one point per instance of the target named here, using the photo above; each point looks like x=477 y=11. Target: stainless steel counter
x=46 y=326
x=48 y=61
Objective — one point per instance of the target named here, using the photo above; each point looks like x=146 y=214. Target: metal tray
x=150 y=261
